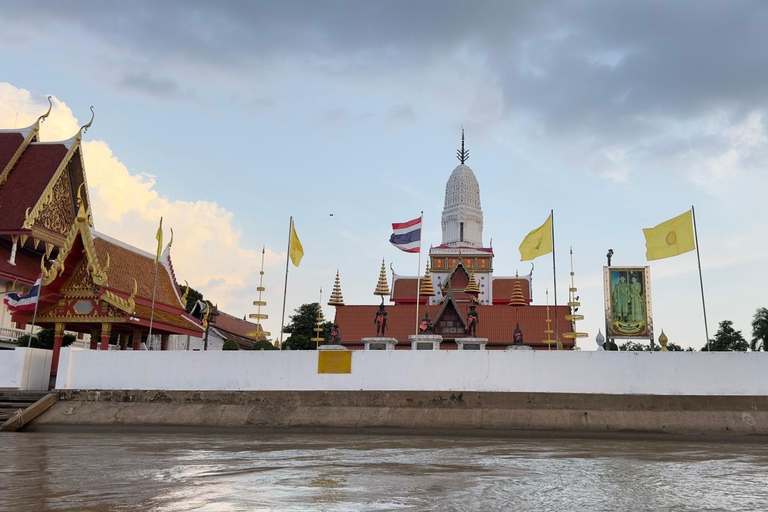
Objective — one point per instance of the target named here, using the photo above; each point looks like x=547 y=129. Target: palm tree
x=760 y=330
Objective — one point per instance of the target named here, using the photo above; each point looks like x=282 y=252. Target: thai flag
x=406 y=236
x=28 y=302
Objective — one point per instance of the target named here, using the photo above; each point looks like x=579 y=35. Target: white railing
x=10 y=334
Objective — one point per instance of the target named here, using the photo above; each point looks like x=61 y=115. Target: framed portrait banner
x=628 y=302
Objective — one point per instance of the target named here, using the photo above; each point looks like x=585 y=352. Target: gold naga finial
x=45 y=116
x=167 y=247
x=85 y=127
x=185 y=295
x=135 y=288
x=81 y=214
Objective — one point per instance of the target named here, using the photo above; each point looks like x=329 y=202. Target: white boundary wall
x=25 y=368
x=668 y=373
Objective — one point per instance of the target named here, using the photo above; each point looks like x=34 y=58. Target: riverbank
x=411 y=411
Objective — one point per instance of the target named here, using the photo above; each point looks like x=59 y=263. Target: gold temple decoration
x=472 y=286
x=427 y=289
x=208 y=307
x=548 y=331
x=382 y=288
x=32 y=136
x=663 y=340
x=336 y=297
x=318 y=329
x=127 y=305
x=517 y=299
x=573 y=303
x=259 y=316
x=185 y=295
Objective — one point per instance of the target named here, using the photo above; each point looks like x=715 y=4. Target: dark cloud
x=601 y=74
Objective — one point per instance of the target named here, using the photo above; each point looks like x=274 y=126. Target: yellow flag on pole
x=538 y=241
x=296 y=250
x=670 y=238
x=159 y=237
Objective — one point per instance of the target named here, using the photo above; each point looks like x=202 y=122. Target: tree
x=760 y=330
x=230 y=345
x=633 y=346
x=44 y=339
x=263 y=345
x=727 y=339
x=302 y=328
x=192 y=297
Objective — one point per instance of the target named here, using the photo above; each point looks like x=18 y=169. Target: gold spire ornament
x=517 y=299
x=319 y=330
x=427 y=289
x=472 y=285
x=573 y=303
x=336 y=298
x=663 y=340
x=548 y=331
x=382 y=288
x=259 y=316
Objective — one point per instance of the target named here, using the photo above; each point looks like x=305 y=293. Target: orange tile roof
x=172 y=319
x=496 y=322
x=236 y=328
x=404 y=288
x=503 y=286
x=26 y=182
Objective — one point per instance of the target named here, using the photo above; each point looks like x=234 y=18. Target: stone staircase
x=11 y=402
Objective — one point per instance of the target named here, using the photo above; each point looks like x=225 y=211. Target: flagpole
x=418 y=273
x=152 y=311
x=34 y=315
x=701 y=281
x=285 y=289
x=554 y=278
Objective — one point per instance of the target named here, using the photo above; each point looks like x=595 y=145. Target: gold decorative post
x=573 y=303
x=472 y=286
x=427 y=289
x=382 y=288
x=548 y=331
x=319 y=330
x=258 y=316
x=518 y=299
x=336 y=298
x=663 y=340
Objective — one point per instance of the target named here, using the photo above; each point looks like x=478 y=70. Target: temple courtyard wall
x=415 y=391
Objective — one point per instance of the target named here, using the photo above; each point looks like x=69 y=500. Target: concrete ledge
x=425 y=411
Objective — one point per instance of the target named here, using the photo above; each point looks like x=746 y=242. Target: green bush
x=44 y=339
x=230 y=345
x=263 y=345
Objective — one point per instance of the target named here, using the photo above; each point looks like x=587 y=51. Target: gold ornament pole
x=548 y=331
x=258 y=316
x=418 y=273
x=574 y=304
x=318 y=338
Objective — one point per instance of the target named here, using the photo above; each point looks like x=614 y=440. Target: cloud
x=400 y=114
x=146 y=83
x=207 y=249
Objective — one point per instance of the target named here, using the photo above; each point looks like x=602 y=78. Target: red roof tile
x=9 y=143
x=496 y=322
x=27 y=181
x=235 y=327
x=503 y=286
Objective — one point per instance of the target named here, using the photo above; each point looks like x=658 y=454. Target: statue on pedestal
x=380 y=320
x=472 y=321
x=425 y=326
x=335 y=336
x=517 y=337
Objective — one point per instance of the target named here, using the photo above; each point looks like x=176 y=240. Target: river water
x=174 y=471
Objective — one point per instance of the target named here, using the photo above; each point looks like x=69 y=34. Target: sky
x=228 y=118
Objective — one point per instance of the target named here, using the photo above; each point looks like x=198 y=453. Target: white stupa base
x=471 y=343
x=425 y=341
x=379 y=343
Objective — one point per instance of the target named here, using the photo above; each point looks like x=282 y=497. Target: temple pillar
x=95 y=333
x=137 y=339
x=106 y=330
x=58 y=337
x=164 y=341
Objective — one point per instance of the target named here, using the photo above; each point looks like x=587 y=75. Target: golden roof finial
x=573 y=303
x=427 y=289
x=663 y=340
x=472 y=286
x=336 y=297
x=185 y=295
x=517 y=299
x=82 y=216
x=45 y=116
x=382 y=288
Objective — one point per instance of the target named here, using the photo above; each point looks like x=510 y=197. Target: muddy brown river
x=226 y=471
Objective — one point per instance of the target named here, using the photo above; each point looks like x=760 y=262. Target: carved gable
x=59 y=214
x=81 y=282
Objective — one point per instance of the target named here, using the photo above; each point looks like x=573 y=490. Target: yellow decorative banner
x=334 y=361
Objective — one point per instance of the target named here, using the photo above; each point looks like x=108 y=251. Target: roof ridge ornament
x=85 y=127
x=462 y=154
x=45 y=116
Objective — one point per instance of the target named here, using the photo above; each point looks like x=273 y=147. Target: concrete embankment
x=420 y=411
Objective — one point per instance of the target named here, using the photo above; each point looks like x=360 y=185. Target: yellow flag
x=296 y=250
x=538 y=241
x=159 y=237
x=670 y=238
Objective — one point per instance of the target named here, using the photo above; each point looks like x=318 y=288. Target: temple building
x=91 y=284
x=459 y=276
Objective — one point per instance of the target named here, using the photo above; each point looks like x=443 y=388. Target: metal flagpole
x=34 y=315
x=701 y=281
x=554 y=278
x=418 y=273
x=152 y=311
x=285 y=289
